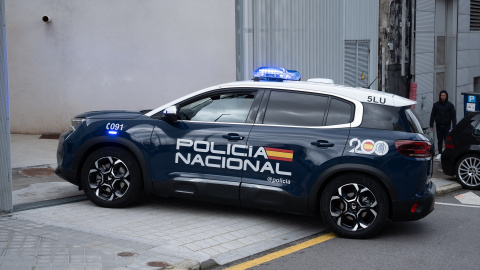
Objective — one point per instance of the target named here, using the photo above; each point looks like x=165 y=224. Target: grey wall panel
x=424 y=42
x=463 y=41
x=474 y=58
x=424 y=63
x=424 y=83
x=463 y=76
x=464 y=6
x=360 y=16
x=463 y=59
x=426 y=5
x=475 y=41
x=463 y=23
x=474 y=72
x=425 y=21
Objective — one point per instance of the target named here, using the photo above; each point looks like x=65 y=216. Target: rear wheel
x=468 y=171
x=111 y=177
x=354 y=206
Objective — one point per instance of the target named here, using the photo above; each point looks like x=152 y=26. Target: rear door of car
x=296 y=136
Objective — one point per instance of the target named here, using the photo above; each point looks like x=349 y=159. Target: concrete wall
x=468 y=55
x=112 y=54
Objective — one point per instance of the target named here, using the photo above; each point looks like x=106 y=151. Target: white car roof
x=359 y=94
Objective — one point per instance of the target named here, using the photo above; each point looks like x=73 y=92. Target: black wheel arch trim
x=338 y=169
x=87 y=147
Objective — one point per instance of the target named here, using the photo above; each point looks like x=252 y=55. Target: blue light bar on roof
x=275 y=74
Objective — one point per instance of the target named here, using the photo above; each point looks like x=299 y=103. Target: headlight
x=76 y=122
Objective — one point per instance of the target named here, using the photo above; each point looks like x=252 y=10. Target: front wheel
x=354 y=206
x=468 y=171
x=111 y=177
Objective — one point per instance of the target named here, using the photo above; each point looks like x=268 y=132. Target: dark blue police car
x=358 y=157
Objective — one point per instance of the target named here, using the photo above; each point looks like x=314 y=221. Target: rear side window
x=339 y=112
x=295 y=109
x=381 y=117
x=415 y=126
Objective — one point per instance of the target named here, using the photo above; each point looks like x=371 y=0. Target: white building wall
x=112 y=54
x=468 y=55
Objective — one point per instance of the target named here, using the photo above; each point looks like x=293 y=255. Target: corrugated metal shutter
x=474 y=15
x=305 y=35
x=357 y=63
x=350 y=62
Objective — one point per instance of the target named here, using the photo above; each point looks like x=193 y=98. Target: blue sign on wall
x=471 y=98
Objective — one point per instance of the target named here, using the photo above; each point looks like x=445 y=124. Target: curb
x=448 y=188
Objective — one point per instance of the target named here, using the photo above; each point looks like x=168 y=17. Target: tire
x=468 y=171
x=354 y=206
x=111 y=177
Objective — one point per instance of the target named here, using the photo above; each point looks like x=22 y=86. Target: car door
x=201 y=154
x=297 y=135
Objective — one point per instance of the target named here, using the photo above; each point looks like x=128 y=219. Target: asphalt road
x=448 y=238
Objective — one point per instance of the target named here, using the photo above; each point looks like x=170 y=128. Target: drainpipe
x=403 y=25
x=6 y=204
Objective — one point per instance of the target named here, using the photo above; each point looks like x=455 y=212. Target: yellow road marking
x=282 y=252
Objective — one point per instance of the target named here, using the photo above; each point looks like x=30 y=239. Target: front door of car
x=201 y=154
x=296 y=137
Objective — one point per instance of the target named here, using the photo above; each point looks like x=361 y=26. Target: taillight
x=414 y=149
x=449 y=143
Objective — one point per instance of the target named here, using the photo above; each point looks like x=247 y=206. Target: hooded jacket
x=443 y=113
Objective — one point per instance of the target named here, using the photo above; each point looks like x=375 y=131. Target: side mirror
x=170 y=114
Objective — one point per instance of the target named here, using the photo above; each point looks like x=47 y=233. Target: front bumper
x=406 y=210
x=69 y=175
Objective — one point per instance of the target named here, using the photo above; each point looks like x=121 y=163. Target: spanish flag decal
x=279 y=154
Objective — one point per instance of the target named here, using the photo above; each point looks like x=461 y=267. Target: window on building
x=474 y=15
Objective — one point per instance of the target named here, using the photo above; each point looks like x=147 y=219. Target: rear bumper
x=448 y=163
x=424 y=201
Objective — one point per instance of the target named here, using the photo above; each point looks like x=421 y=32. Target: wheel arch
x=328 y=175
x=99 y=142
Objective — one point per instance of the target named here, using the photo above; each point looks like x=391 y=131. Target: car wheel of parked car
x=354 y=206
x=111 y=177
x=468 y=171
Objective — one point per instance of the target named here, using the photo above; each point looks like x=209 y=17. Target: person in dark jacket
x=444 y=115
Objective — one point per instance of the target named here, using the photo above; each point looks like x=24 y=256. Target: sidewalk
x=148 y=235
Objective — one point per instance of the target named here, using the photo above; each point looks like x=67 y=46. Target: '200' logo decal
x=368 y=147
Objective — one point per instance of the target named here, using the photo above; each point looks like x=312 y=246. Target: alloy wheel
x=353 y=207
x=469 y=171
x=109 y=178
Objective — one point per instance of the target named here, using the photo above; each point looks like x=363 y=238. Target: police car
x=357 y=157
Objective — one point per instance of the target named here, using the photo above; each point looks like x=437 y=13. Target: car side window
x=339 y=112
x=295 y=109
x=225 y=107
x=381 y=117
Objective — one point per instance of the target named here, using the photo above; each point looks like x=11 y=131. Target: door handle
x=232 y=137
x=323 y=144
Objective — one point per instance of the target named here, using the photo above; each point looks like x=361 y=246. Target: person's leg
x=442 y=133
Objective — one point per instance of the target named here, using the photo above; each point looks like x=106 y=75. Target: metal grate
x=357 y=54
x=34 y=205
x=474 y=15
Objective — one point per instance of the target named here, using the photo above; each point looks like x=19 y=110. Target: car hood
x=112 y=114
